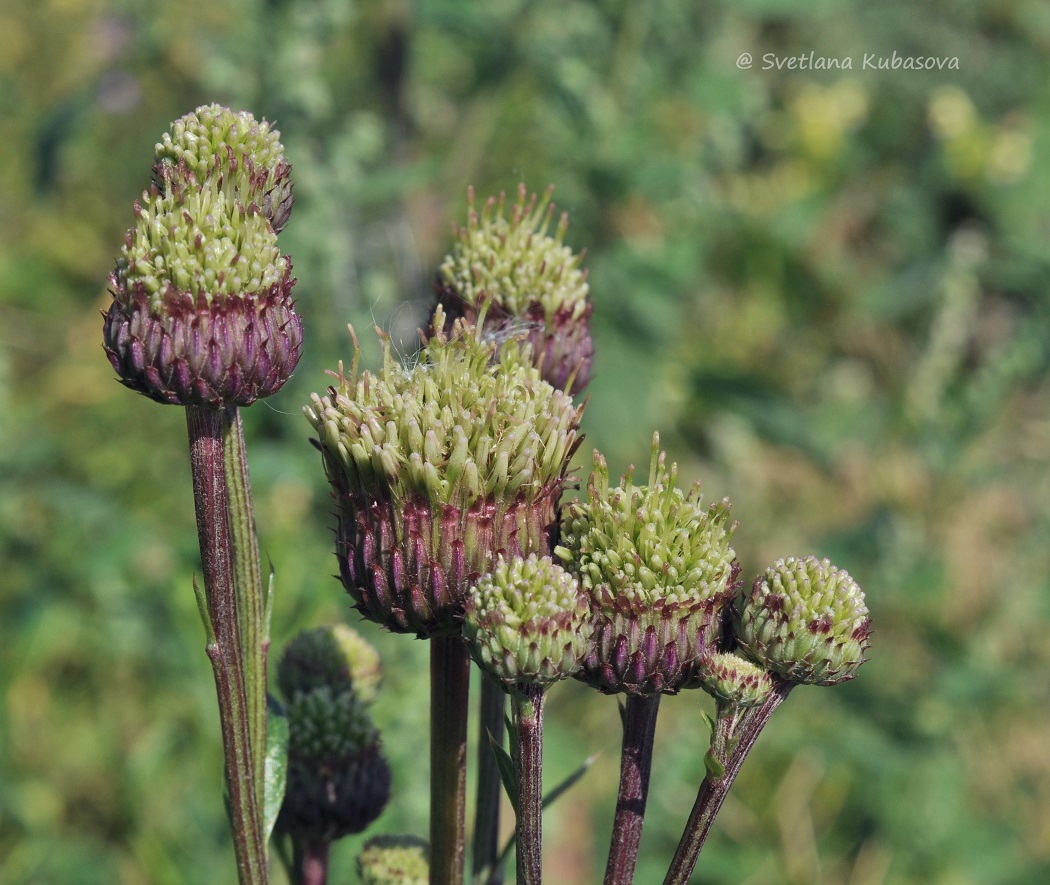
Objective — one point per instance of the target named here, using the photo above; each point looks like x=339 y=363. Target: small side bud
x=394 y=860
x=734 y=680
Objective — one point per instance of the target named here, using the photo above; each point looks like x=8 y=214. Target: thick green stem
x=484 y=867
x=251 y=596
x=528 y=769
x=639 y=731
x=735 y=734
x=449 y=696
x=210 y=495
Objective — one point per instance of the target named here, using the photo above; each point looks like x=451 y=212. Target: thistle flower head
x=806 y=621
x=528 y=621
x=338 y=780
x=231 y=152
x=523 y=272
x=439 y=467
x=336 y=656
x=659 y=568
x=394 y=860
x=733 y=680
x=202 y=311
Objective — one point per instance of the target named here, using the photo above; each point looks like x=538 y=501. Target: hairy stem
x=484 y=867
x=639 y=730
x=251 y=597
x=210 y=496
x=449 y=694
x=528 y=769
x=735 y=734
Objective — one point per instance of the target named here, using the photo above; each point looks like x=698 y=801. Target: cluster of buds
x=338 y=779
x=439 y=469
x=394 y=860
x=511 y=274
x=659 y=570
x=202 y=311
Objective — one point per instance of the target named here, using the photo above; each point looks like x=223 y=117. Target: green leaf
x=506 y=771
x=276 y=772
x=714 y=768
x=566 y=784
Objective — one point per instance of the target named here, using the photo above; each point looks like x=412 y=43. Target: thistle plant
x=528 y=626
x=659 y=570
x=202 y=316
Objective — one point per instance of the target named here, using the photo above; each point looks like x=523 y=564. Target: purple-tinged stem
x=449 y=696
x=486 y=850
x=210 y=496
x=639 y=730
x=528 y=769
x=735 y=735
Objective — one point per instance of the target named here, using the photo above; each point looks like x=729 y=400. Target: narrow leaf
x=566 y=784
x=276 y=771
x=506 y=771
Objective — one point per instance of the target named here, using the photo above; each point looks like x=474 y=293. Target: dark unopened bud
x=231 y=152
x=439 y=469
x=202 y=311
x=528 y=280
x=806 y=621
x=528 y=621
x=336 y=656
x=394 y=860
x=659 y=568
x=338 y=779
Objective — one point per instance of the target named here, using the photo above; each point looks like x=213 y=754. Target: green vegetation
x=827 y=289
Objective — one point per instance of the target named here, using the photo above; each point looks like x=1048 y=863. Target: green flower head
x=228 y=151
x=659 y=568
x=806 y=621
x=522 y=276
x=528 y=621
x=439 y=467
x=734 y=680
x=394 y=860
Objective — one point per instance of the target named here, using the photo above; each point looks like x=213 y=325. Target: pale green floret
x=324 y=724
x=734 y=680
x=198 y=243
x=527 y=621
x=470 y=420
x=394 y=860
x=648 y=543
x=514 y=260
x=212 y=137
x=807 y=621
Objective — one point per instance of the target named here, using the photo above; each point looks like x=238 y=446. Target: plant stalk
x=251 y=596
x=639 y=731
x=484 y=867
x=225 y=650
x=449 y=696
x=735 y=734
x=528 y=769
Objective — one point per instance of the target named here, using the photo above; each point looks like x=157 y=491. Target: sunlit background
x=827 y=289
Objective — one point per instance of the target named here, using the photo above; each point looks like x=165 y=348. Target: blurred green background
x=828 y=290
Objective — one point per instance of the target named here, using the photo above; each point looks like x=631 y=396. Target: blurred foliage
x=826 y=288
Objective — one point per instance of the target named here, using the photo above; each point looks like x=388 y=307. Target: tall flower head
x=202 y=311
x=806 y=621
x=659 y=569
x=528 y=621
x=334 y=655
x=229 y=151
x=526 y=276
x=437 y=469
